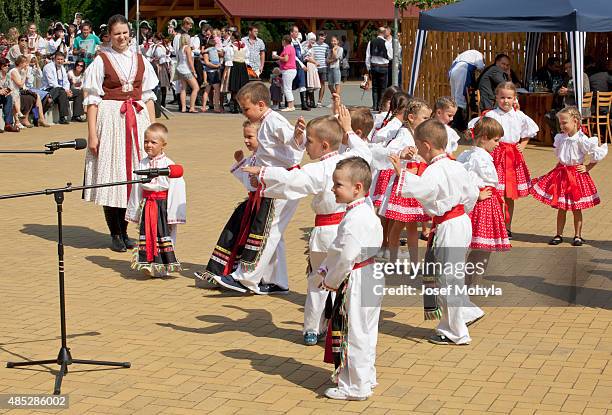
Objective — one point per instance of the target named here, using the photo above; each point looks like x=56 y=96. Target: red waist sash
x=511 y=156
x=130 y=107
x=455 y=212
x=151 y=211
x=329 y=219
x=363 y=263
x=502 y=202
x=563 y=178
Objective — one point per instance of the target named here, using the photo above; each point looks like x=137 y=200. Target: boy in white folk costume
x=324 y=136
x=447 y=194
x=157 y=206
x=348 y=270
x=262 y=266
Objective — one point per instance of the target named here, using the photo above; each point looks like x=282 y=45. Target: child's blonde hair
x=445 y=103
x=184 y=40
x=361 y=119
x=433 y=132
x=572 y=112
x=326 y=128
x=276 y=71
x=157 y=130
x=415 y=105
x=506 y=85
x=488 y=128
x=252 y=124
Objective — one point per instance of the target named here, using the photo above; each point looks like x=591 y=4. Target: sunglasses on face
x=81 y=65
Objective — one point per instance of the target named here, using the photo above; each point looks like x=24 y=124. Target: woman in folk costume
x=120 y=106
x=569 y=185
x=514 y=178
x=462 y=76
x=158 y=207
x=299 y=82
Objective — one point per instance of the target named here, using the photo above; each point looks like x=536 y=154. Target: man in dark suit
x=491 y=77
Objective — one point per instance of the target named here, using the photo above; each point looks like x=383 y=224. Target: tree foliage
x=18 y=13
x=421 y=4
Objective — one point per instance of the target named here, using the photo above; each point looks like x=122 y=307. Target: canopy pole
x=419 y=44
x=396 y=58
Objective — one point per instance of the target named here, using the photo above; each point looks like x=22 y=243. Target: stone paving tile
x=197 y=350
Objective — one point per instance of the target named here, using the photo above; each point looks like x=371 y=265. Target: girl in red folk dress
x=569 y=185
x=406 y=212
x=488 y=217
x=514 y=180
x=120 y=107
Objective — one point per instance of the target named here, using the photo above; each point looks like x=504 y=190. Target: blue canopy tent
x=574 y=17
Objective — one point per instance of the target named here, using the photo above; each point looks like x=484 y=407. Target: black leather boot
x=117 y=243
x=304 y=101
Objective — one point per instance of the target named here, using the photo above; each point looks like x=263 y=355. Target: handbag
x=252 y=75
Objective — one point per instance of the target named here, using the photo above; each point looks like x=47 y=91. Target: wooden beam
x=313 y=26
x=187 y=12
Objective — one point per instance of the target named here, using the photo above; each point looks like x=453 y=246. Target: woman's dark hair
x=211 y=43
x=501 y=56
x=22 y=37
x=116 y=19
x=78 y=62
x=4 y=62
x=287 y=39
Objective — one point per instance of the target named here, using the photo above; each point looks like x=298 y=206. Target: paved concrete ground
x=200 y=351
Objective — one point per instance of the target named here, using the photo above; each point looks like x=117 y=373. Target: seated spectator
x=492 y=76
x=6 y=98
x=550 y=75
x=76 y=77
x=601 y=79
x=567 y=90
x=21 y=48
x=24 y=100
x=56 y=82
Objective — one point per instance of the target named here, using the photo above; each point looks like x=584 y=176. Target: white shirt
x=94 y=75
x=458 y=74
x=571 y=151
x=177 y=197
x=313 y=179
x=369 y=60
x=242 y=176
x=452 y=140
x=54 y=77
x=276 y=144
x=443 y=185
x=394 y=145
x=516 y=125
x=359 y=238
x=158 y=52
x=479 y=163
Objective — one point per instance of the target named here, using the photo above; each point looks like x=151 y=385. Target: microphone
x=77 y=144
x=172 y=171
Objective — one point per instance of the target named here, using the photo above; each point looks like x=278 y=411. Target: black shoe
x=556 y=240
x=578 y=241
x=117 y=244
x=270 y=289
x=230 y=283
x=443 y=340
x=304 y=101
x=63 y=120
x=509 y=233
x=78 y=119
x=128 y=242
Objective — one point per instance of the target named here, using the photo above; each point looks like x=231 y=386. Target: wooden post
x=313 y=26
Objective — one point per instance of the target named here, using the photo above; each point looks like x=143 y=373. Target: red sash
x=363 y=263
x=130 y=107
x=150 y=209
x=329 y=219
x=502 y=202
x=455 y=212
x=511 y=155
x=563 y=178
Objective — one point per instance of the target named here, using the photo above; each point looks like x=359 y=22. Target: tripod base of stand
x=64 y=359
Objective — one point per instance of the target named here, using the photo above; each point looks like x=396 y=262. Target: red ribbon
x=252 y=206
x=563 y=178
x=511 y=154
x=150 y=209
x=130 y=107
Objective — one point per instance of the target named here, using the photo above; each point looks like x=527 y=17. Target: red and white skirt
x=566 y=189
x=512 y=171
x=382 y=182
x=489 y=225
x=404 y=209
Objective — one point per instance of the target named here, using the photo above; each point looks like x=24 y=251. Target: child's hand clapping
x=238 y=156
x=336 y=103
x=395 y=160
x=344 y=118
x=485 y=194
x=408 y=153
x=253 y=170
x=298 y=133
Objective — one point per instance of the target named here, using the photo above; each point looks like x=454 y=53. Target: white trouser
x=359 y=375
x=173 y=228
x=288 y=77
x=451 y=242
x=272 y=264
x=314 y=308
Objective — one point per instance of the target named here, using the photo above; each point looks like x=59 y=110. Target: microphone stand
x=48 y=151
x=64 y=358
